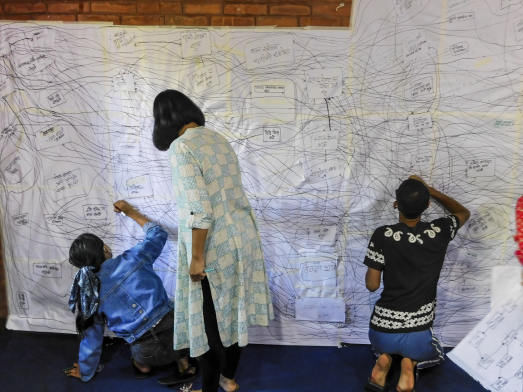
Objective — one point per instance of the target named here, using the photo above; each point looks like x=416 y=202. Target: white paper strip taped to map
x=320 y=309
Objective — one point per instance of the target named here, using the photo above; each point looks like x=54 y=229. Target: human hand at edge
x=75 y=372
x=123 y=206
x=196 y=269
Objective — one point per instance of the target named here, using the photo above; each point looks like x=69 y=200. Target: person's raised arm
x=447 y=202
x=122 y=206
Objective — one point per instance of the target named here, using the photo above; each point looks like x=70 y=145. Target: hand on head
x=413 y=177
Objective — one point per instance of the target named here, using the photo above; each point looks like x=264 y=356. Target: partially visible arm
x=196 y=270
x=90 y=350
x=372 y=279
x=128 y=210
x=447 y=202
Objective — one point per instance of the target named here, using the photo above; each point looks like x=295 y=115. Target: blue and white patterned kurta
x=209 y=192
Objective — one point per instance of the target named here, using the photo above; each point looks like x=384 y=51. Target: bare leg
x=142 y=368
x=381 y=369
x=228 y=385
x=184 y=364
x=406 y=382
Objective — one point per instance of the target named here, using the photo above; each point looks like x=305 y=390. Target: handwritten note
x=54 y=219
x=461 y=17
x=323 y=171
x=420 y=121
x=273 y=101
x=32 y=63
x=51 y=136
x=481 y=168
x=504 y=124
x=421 y=87
x=21 y=219
x=455 y=4
x=6 y=86
x=324 y=82
x=318 y=271
x=403 y=7
x=55 y=99
x=269 y=90
x=67 y=184
x=482 y=224
x=320 y=309
x=9 y=131
x=132 y=149
x=423 y=159
x=415 y=47
x=123 y=82
x=326 y=140
x=205 y=78
x=123 y=41
x=15 y=167
x=48 y=270
x=22 y=300
x=270 y=51
x=459 y=48
x=44 y=38
x=271 y=134
x=95 y=211
x=139 y=187
x=322 y=235
x=196 y=43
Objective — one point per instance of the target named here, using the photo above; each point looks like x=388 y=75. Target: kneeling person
x=410 y=254
x=125 y=293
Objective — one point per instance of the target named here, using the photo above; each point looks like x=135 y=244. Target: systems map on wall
x=326 y=124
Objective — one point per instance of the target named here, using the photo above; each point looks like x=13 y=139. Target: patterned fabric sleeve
x=375 y=258
x=191 y=185
x=448 y=227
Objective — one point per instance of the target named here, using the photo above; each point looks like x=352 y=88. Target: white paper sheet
x=320 y=309
x=492 y=352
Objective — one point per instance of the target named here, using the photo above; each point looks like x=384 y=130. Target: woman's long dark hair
x=86 y=251
x=173 y=110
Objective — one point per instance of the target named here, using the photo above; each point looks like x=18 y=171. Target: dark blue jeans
x=422 y=346
x=155 y=347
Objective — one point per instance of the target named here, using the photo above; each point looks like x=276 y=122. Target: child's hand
x=123 y=206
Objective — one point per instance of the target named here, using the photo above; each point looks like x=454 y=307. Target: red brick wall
x=282 y=13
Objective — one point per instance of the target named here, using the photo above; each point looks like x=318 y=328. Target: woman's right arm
x=91 y=348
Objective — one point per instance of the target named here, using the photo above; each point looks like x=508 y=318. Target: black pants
x=218 y=360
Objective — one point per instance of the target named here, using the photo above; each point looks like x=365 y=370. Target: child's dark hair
x=86 y=251
x=413 y=198
x=173 y=110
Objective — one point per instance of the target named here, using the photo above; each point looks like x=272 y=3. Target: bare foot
x=183 y=364
x=379 y=373
x=142 y=368
x=406 y=382
x=228 y=385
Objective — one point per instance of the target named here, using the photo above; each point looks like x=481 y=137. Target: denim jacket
x=132 y=298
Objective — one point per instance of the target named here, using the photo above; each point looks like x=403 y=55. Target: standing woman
x=221 y=284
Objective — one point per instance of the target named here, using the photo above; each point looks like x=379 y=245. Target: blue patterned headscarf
x=84 y=293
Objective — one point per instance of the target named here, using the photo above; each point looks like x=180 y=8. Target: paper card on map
x=196 y=43
x=273 y=101
x=139 y=187
x=492 y=353
x=320 y=309
x=276 y=50
x=324 y=82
